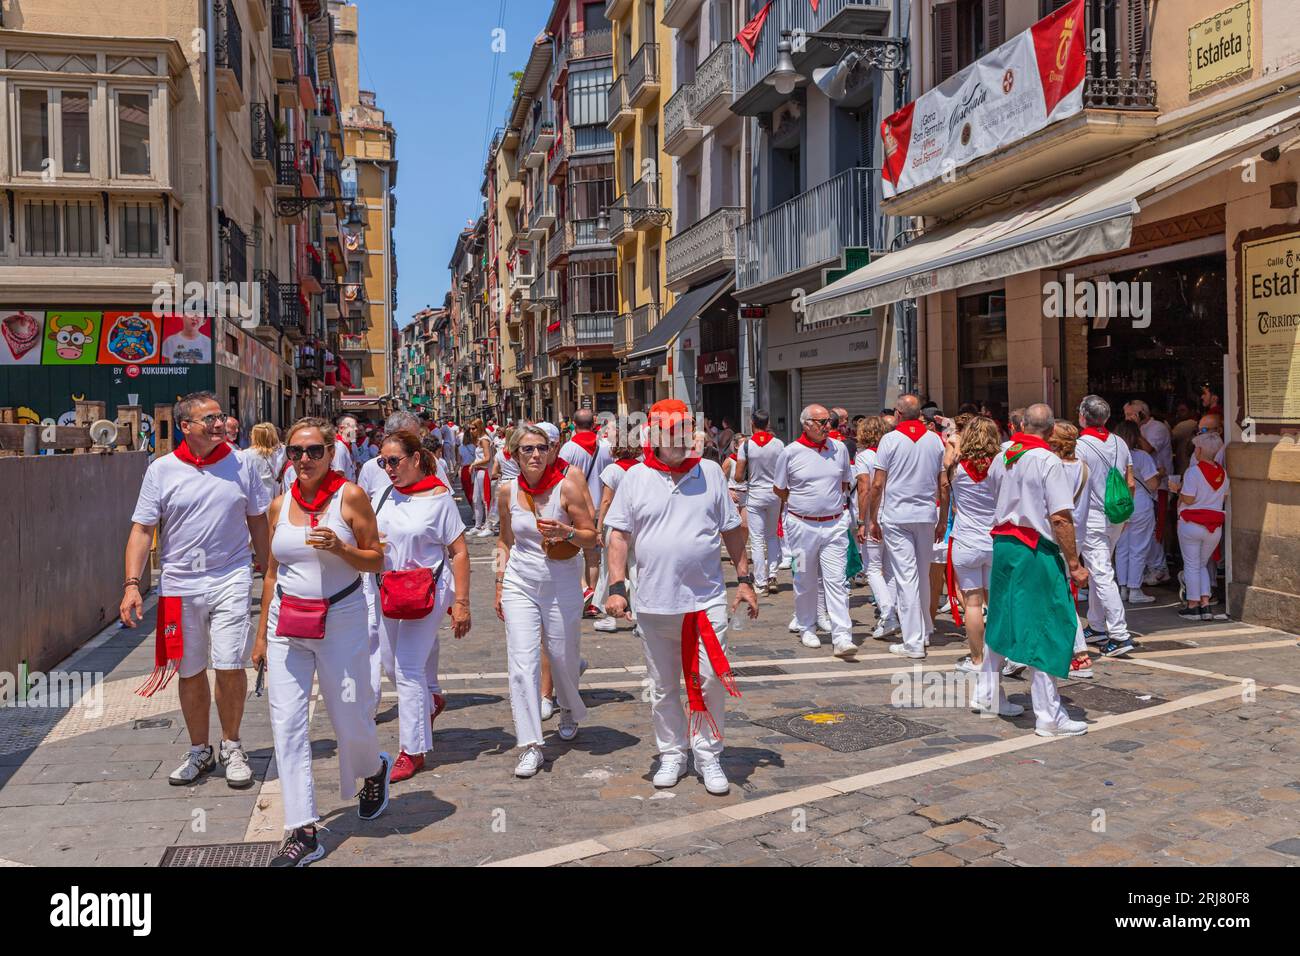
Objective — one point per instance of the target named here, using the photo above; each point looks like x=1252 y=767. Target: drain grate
x=1143 y=646
x=848 y=729
x=220 y=855
x=1097 y=698
x=759 y=670
x=151 y=723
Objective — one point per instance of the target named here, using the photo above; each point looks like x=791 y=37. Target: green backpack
x=1118 y=504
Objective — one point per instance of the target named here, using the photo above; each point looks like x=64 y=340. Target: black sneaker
x=1189 y=613
x=1206 y=614
x=299 y=848
x=1093 y=636
x=373 y=798
x=1114 y=648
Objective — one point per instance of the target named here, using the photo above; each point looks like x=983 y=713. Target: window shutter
x=994 y=23
x=945 y=41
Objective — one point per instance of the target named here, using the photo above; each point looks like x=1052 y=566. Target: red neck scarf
x=552 y=476
x=804 y=440
x=626 y=463
x=913 y=429
x=696 y=627
x=1098 y=432
x=1213 y=473
x=977 y=468
x=652 y=461
x=185 y=454
x=835 y=433
x=331 y=483
x=346 y=444
x=427 y=483
x=506 y=453
x=1021 y=443
x=586 y=441
x=761 y=438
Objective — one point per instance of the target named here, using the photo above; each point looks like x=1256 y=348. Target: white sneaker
x=198 y=761
x=1004 y=709
x=967 y=666
x=530 y=761
x=715 y=781
x=672 y=767
x=887 y=627
x=824 y=625
x=238 y=773
x=844 y=647
x=810 y=639
x=902 y=651
x=1011 y=668
x=548 y=708
x=606 y=624
x=793 y=626
x=1136 y=596
x=1064 y=728
x=785 y=564
x=568 y=726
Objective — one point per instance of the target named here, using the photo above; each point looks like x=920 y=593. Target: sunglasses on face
x=393 y=461
x=525 y=450
x=208 y=421
x=823 y=422
x=314 y=452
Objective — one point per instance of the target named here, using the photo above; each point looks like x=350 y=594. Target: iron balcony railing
x=1118 y=76
x=677 y=113
x=583 y=45
x=620 y=220
x=286 y=166
x=643 y=198
x=586 y=329
x=810 y=230
x=292 y=315
x=541 y=365
x=281 y=25
x=793 y=15
x=234 y=251
x=272 y=307
x=709 y=245
x=643 y=70
x=617 y=99
x=715 y=83
x=230 y=41
x=592 y=139
x=644 y=318
x=264 y=145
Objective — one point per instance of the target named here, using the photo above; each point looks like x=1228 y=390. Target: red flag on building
x=749 y=33
x=814 y=4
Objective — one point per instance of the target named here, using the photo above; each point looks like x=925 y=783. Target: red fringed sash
x=696 y=626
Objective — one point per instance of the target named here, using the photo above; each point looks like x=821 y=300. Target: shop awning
x=688 y=305
x=1094 y=219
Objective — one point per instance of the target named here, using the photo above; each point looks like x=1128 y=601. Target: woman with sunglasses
x=323 y=540
x=539 y=597
x=420 y=527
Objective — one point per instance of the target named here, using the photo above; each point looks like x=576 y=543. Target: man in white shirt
x=449 y=440
x=1101 y=451
x=1159 y=437
x=372 y=478
x=207 y=505
x=908 y=493
x=346 y=431
x=676 y=514
x=756 y=467
x=1031 y=615
x=812 y=477
x=587 y=451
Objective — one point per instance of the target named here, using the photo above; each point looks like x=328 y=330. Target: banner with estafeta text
x=1029 y=82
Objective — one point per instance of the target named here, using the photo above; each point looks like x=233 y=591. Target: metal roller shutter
x=841 y=386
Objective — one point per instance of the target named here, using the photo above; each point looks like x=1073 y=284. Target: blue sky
x=430 y=63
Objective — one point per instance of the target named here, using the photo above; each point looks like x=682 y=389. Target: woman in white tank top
x=974 y=483
x=324 y=539
x=538 y=597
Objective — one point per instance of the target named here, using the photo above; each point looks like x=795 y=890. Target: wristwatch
x=618 y=589
x=745 y=579
x=570 y=535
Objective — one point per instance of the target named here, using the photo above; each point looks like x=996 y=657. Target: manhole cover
x=220 y=855
x=1095 y=698
x=152 y=723
x=758 y=670
x=848 y=729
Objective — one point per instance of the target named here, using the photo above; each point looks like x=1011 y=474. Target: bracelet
x=618 y=589
x=131 y=584
x=745 y=579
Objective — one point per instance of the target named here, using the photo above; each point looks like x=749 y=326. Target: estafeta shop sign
x=1270 y=310
x=1029 y=82
x=1218 y=47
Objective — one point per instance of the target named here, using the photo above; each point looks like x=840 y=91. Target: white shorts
x=217 y=628
x=971 y=566
x=940 y=553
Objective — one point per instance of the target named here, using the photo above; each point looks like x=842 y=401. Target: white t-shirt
x=676 y=530
x=611 y=478
x=975 y=503
x=760 y=464
x=1158 y=435
x=1100 y=458
x=266 y=469
x=911 y=477
x=509 y=466
x=201 y=515
x=1082 y=500
x=417 y=530
x=579 y=457
x=1144 y=469
x=372 y=478
x=1032 y=490
x=179 y=350
x=1198 y=486
x=814 y=479
x=344 y=463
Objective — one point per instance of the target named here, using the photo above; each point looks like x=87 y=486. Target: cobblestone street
x=1190 y=758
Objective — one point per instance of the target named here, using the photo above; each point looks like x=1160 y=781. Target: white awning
x=1088 y=221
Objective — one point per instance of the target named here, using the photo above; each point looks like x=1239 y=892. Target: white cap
x=552 y=432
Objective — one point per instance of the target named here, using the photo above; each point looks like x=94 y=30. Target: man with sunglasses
x=207 y=504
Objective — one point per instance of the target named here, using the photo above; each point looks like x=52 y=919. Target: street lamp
x=883 y=53
x=785 y=77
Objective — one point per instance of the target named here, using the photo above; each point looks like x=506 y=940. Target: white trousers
x=1157 y=559
x=879 y=578
x=1048 y=711
x=821 y=554
x=661 y=634
x=1132 y=550
x=909 y=549
x=480 y=500
x=550 y=613
x=1105 y=609
x=764 y=546
x=341 y=663
x=410 y=656
x=1197 y=543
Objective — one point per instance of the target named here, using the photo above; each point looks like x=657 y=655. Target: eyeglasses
x=314 y=452
x=817 y=421
x=525 y=450
x=392 y=461
x=207 y=421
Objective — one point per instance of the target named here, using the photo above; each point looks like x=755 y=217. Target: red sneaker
x=439 y=705
x=406 y=767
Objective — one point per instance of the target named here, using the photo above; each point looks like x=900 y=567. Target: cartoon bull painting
x=71 y=338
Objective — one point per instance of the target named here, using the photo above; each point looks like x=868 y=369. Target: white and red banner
x=1026 y=84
